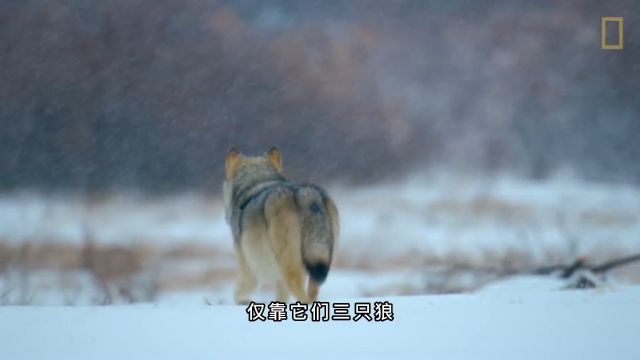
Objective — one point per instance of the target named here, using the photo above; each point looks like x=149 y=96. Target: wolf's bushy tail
x=317 y=237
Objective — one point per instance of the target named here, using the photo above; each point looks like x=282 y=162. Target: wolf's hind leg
x=282 y=292
x=286 y=246
x=246 y=282
x=313 y=288
x=291 y=268
x=284 y=237
x=295 y=283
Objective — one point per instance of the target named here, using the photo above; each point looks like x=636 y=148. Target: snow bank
x=508 y=325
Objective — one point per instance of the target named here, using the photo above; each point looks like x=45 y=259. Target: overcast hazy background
x=149 y=94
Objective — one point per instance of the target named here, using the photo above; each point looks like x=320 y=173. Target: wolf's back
x=301 y=221
x=319 y=224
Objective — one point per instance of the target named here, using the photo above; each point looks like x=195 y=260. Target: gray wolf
x=283 y=232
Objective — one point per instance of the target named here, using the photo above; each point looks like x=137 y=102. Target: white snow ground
x=579 y=324
x=396 y=239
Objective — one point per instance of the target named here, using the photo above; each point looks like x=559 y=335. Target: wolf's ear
x=275 y=158
x=231 y=160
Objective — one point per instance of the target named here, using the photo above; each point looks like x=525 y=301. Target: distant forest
x=149 y=94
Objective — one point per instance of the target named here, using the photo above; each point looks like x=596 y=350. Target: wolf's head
x=244 y=172
x=237 y=164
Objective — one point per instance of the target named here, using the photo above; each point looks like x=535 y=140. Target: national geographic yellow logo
x=604 y=45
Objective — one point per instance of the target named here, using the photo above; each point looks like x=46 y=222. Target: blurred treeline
x=149 y=94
